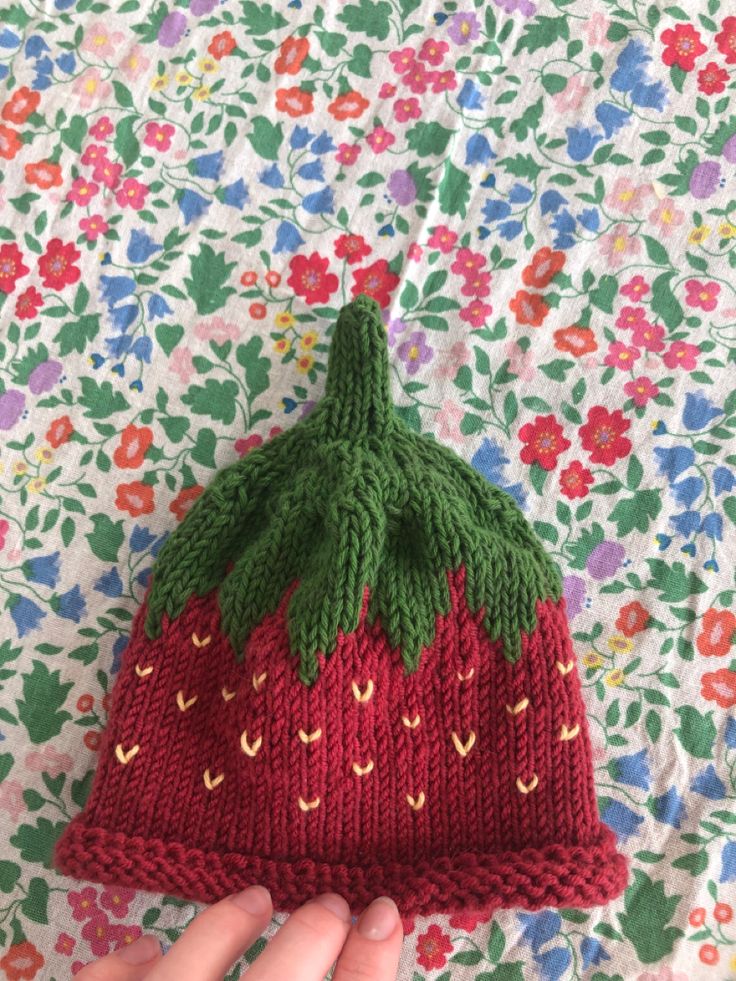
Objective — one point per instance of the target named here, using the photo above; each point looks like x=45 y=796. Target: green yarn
x=351 y=498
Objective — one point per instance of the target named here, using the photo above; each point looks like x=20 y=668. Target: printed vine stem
x=411 y=395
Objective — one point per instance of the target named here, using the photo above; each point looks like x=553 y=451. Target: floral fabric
x=539 y=193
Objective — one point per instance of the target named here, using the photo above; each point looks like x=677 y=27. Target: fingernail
x=335 y=904
x=255 y=900
x=379 y=921
x=140 y=951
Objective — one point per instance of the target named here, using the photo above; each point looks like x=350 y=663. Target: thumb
x=130 y=962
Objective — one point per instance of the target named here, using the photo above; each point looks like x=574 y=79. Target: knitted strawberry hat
x=352 y=672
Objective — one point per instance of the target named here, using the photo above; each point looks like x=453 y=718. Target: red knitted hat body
x=455 y=776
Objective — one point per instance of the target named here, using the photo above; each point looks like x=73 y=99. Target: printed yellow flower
x=20 y=467
x=592 y=659
x=615 y=677
x=202 y=93
x=159 y=82
x=309 y=340
x=727 y=230
x=44 y=454
x=284 y=320
x=304 y=364
x=207 y=64
x=620 y=644
x=698 y=235
x=36 y=485
x=282 y=345
x=183 y=77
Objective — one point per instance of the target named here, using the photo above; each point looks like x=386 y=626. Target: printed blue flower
x=590 y=219
x=712 y=526
x=26 y=614
x=489 y=460
x=510 y=230
x=142 y=348
x=109 y=583
x=288 y=238
x=116 y=347
x=319 y=202
x=728 y=862
x=489 y=180
x=687 y=491
x=271 y=177
x=312 y=171
x=140 y=539
x=632 y=75
x=4 y=72
x=70 y=605
x=123 y=317
x=494 y=209
x=612 y=118
x=551 y=201
x=192 y=205
x=140 y=249
x=44 y=66
x=9 y=39
x=43 y=569
x=520 y=194
x=564 y=223
x=235 y=194
x=143 y=577
x=632 y=769
x=157 y=545
x=478 y=150
x=66 y=63
x=673 y=460
x=35 y=46
x=593 y=952
x=207 y=165
x=288 y=405
x=553 y=964
x=686 y=523
x=118 y=647
x=669 y=808
x=698 y=411
x=537 y=929
x=621 y=819
x=64 y=4
x=730 y=733
x=157 y=306
x=41 y=82
x=323 y=143
x=581 y=141
x=469 y=96
x=723 y=480
x=300 y=138
x=114 y=288
x=709 y=784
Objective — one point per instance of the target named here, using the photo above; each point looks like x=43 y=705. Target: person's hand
x=304 y=949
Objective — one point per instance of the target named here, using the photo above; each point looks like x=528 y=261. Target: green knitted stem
x=351 y=498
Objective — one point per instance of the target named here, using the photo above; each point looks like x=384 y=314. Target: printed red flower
x=257 y=311
x=85 y=703
x=632 y=619
x=59 y=431
x=348 y=106
x=377 y=281
x=352 y=247
x=43 y=174
x=477 y=285
x=417 y=78
x=717 y=633
x=116 y=899
x=543 y=268
x=291 y=57
x=631 y=317
x=272 y=277
x=221 y=45
x=528 y=308
x=683 y=46
x=545 y=441
x=712 y=79
x=641 y=390
x=347 y=154
x=602 y=435
x=65 y=944
x=134 y=443
x=649 y=336
x=158 y=135
x=11 y=266
x=243 y=446
x=131 y=193
x=696 y=917
x=184 y=500
x=726 y=40
x=294 y=102
x=93 y=154
x=723 y=913
x=476 y=313
x=443 y=81
x=575 y=340
x=4 y=529
x=10 y=142
x=136 y=498
x=309 y=278
x=20 y=105
x=433 y=51
x=83 y=903
x=575 y=479
x=636 y=288
x=22 y=962
x=92 y=740
x=468 y=921
x=432 y=948
x=97 y=932
x=56 y=266
x=709 y=954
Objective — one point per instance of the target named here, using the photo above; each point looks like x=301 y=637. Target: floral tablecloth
x=541 y=196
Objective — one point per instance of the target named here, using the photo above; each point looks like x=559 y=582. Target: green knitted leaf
x=351 y=499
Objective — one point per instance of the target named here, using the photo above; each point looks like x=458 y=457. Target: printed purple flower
x=44 y=376
x=729 y=149
x=704 y=179
x=201 y=7
x=573 y=589
x=464 y=28
x=415 y=352
x=395 y=327
x=12 y=404
x=172 y=29
x=402 y=187
x=605 y=559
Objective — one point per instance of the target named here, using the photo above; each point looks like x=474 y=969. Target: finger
x=373 y=947
x=307 y=945
x=215 y=939
x=131 y=962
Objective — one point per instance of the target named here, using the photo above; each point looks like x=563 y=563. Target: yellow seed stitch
x=124 y=757
x=184 y=703
x=527 y=788
x=416 y=803
x=310 y=737
x=410 y=723
x=467 y=676
x=308 y=805
x=201 y=643
x=567 y=734
x=366 y=694
x=259 y=679
x=519 y=707
x=211 y=782
x=565 y=668
x=361 y=771
x=250 y=749
x=143 y=672
x=463 y=748
x=227 y=695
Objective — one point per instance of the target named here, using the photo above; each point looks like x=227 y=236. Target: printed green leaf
x=209 y=274
x=428 y=138
x=656 y=251
x=256 y=367
x=360 y=63
x=694 y=862
x=35 y=842
x=175 y=427
x=503 y=972
x=106 y=537
x=664 y=301
x=367 y=17
x=76 y=334
x=674 y=582
x=496 y=943
x=35 y=904
x=100 y=400
x=74 y=132
x=169 y=335
x=454 y=190
x=604 y=293
x=40 y=709
x=697 y=731
x=266 y=138
x=648 y=910
x=215 y=399
x=9 y=875
x=636 y=512
x=542 y=32
x=126 y=142
x=260 y=18
x=203 y=451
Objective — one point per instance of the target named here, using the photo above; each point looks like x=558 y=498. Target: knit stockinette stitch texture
x=352 y=672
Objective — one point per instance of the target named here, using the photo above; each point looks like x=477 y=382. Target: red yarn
x=502 y=813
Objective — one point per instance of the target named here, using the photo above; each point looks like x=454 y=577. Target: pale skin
x=315 y=936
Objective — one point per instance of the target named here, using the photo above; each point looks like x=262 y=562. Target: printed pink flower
x=636 y=288
x=621 y=356
x=217 y=329
x=387 y=90
x=158 y=135
x=476 y=313
x=571 y=97
x=4 y=528
x=83 y=903
x=452 y=359
x=108 y=173
x=244 y=445
x=380 y=139
x=448 y=421
x=433 y=51
x=181 y=364
x=116 y=899
x=415 y=252
x=702 y=295
x=406 y=109
x=444 y=81
x=630 y=317
x=134 y=63
x=94 y=153
x=402 y=60
x=521 y=363
x=90 y=88
x=418 y=78
x=82 y=191
x=627 y=197
x=617 y=245
x=442 y=238
x=98 y=932
x=666 y=216
x=93 y=227
x=468 y=263
x=48 y=760
x=100 y=131
x=477 y=285
x=347 y=154
x=122 y=934
x=132 y=193
x=100 y=42
x=649 y=336
x=641 y=390
x=682 y=355
x=597 y=30
x=65 y=944
x=11 y=799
